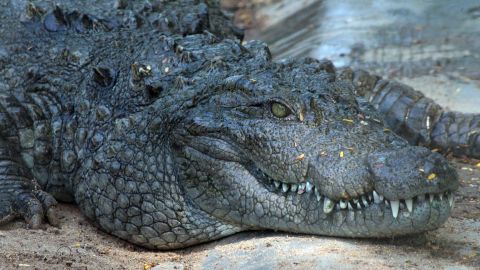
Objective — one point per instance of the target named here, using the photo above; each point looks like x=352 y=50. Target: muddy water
x=431 y=45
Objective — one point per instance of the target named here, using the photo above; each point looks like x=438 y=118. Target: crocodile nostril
x=411 y=171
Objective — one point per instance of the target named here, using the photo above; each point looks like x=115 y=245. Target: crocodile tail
x=458 y=133
x=417 y=118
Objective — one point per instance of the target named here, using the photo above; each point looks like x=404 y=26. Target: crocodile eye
x=280 y=110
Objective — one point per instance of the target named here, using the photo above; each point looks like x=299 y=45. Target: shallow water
x=431 y=45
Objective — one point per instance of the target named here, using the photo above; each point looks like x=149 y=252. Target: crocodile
x=167 y=131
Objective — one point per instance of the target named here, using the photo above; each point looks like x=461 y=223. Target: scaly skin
x=417 y=118
x=170 y=140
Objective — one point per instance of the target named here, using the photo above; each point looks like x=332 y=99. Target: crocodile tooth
x=343 y=204
x=359 y=206
x=328 y=205
x=409 y=204
x=364 y=200
x=450 y=199
x=431 y=197
x=350 y=207
x=301 y=188
x=276 y=183
x=440 y=196
x=294 y=188
x=395 y=205
x=309 y=186
x=284 y=187
x=317 y=194
x=376 y=197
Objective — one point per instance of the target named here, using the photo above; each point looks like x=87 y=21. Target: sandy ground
x=79 y=245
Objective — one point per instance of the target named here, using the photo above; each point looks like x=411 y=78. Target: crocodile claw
x=32 y=206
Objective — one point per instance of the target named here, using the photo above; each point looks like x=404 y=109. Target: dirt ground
x=79 y=245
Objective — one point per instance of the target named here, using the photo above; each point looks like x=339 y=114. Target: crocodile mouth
x=360 y=203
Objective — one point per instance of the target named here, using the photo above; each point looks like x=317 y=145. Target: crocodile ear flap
x=239 y=82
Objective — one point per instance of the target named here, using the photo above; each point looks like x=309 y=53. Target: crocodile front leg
x=20 y=195
x=30 y=157
x=417 y=118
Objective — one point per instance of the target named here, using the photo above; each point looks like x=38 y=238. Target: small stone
x=169 y=265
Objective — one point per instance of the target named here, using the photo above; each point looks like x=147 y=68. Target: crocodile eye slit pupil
x=280 y=110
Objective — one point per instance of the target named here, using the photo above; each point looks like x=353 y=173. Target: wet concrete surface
x=431 y=45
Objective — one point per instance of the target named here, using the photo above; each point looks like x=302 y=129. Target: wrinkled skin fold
x=169 y=135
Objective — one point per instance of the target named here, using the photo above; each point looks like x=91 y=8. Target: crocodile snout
x=411 y=171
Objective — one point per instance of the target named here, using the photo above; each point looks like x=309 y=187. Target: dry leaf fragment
x=349 y=121
x=300 y=157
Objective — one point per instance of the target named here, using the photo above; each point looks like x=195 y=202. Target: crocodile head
x=291 y=148
x=234 y=141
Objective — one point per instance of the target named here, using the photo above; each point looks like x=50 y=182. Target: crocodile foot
x=31 y=205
